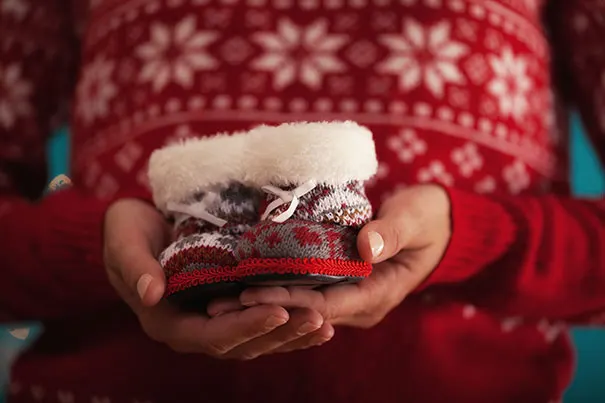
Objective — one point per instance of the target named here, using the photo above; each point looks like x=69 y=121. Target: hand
x=135 y=233
x=405 y=242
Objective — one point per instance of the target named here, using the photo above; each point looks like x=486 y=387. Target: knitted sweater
x=456 y=91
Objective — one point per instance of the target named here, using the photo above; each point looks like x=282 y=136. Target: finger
x=337 y=303
x=291 y=297
x=134 y=234
x=382 y=239
x=301 y=323
x=221 y=306
x=322 y=335
x=141 y=273
x=194 y=333
x=226 y=332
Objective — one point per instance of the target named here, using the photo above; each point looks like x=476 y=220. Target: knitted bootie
x=198 y=184
x=313 y=175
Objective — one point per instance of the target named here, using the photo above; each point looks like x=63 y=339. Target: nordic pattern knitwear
x=319 y=239
x=345 y=205
x=203 y=252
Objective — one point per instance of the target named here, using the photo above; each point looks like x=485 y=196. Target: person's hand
x=135 y=233
x=405 y=243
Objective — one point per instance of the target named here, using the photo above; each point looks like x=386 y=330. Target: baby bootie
x=313 y=174
x=198 y=184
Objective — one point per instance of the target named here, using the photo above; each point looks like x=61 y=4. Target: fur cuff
x=328 y=152
x=178 y=171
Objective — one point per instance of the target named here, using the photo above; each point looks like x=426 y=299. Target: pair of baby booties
x=277 y=205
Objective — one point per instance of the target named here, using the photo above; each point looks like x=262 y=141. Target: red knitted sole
x=196 y=278
x=337 y=269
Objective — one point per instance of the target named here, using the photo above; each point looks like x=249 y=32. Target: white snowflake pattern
x=468 y=159
x=435 y=172
x=469 y=311
x=551 y=331
x=511 y=83
x=407 y=145
x=181 y=133
x=516 y=177
x=14 y=95
x=174 y=55
x=424 y=55
x=299 y=53
x=509 y=324
x=96 y=90
x=486 y=185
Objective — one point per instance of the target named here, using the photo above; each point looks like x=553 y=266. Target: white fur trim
x=178 y=171
x=327 y=152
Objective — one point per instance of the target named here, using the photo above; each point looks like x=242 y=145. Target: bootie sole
x=301 y=272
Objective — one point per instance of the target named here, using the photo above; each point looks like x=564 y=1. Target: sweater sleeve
x=541 y=256
x=50 y=248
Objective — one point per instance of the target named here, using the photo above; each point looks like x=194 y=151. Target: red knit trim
x=326 y=267
x=183 y=281
x=199 y=254
x=482 y=231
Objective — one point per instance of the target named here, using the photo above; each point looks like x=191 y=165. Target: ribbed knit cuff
x=73 y=246
x=482 y=231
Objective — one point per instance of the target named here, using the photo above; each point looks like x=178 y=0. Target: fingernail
x=319 y=340
x=376 y=243
x=275 y=321
x=249 y=303
x=143 y=285
x=307 y=328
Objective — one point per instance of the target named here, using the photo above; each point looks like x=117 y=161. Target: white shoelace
x=286 y=196
x=196 y=210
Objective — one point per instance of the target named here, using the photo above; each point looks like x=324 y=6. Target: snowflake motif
x=362 y=54
x=435 y=172
x=407 y=145
x=516 y=176
x=297 y=53
x=468 y=159
x=17 y=8
x=96 y=90
x=509 y=324
x=14 y=96
x=236 y=51
x=486 y=185
x=551 y=331
x=424 y=55
x=511 y=84
x=175 y=55
x=181 y=134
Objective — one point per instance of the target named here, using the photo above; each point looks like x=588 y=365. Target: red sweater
x=457 y=91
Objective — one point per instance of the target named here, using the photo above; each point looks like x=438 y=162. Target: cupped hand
x=405 y=243
x=135 y=233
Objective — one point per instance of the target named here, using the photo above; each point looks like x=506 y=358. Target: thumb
x=132 y=234
x=381 y=239
x=143 y=275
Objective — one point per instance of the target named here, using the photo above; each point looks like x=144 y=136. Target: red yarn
x=326 y=267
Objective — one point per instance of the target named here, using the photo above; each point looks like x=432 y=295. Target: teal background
x=588 y=179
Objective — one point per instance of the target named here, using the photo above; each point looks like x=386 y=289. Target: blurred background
x=588 y=180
